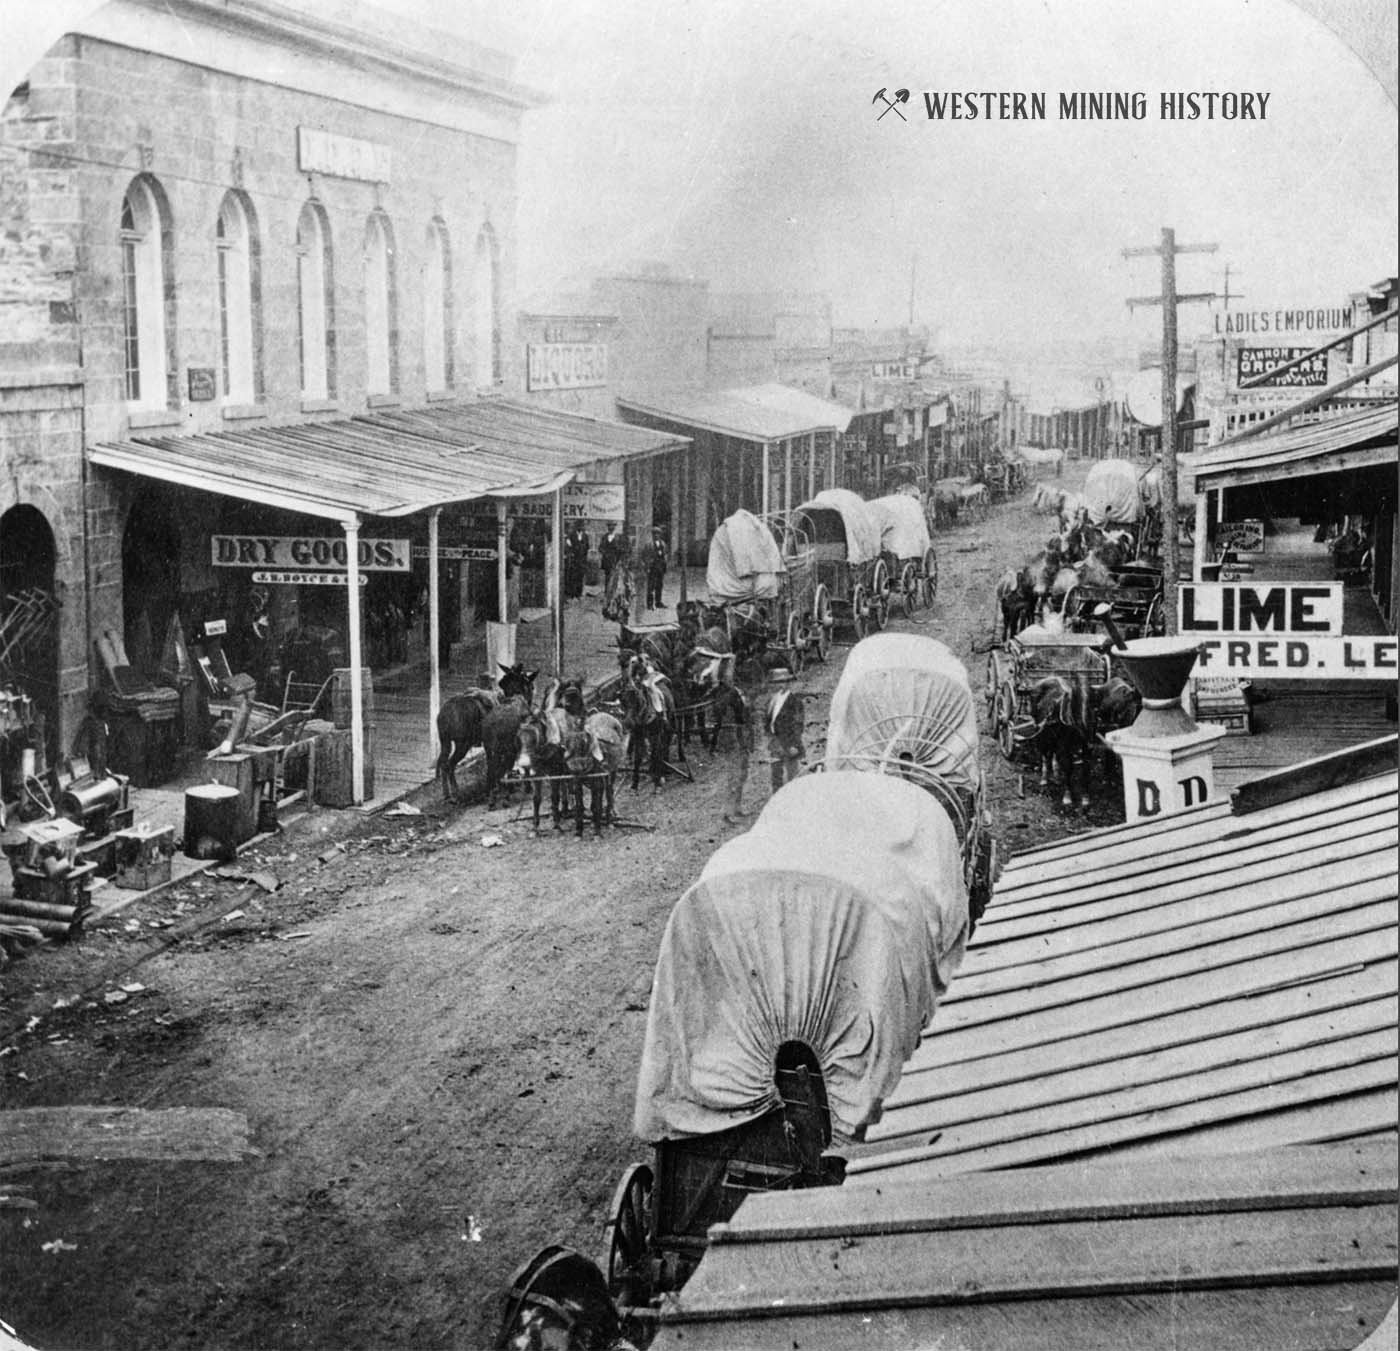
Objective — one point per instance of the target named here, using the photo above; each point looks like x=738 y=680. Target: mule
x=540 y=760
x=1016 y=601
x=459 y=723
x=649 y=716
x=501 y=726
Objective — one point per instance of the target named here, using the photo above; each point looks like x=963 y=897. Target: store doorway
x=150 y=579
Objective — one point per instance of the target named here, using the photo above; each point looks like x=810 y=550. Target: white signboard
x=1301 y=320
x=1239 y=608
x=306 y=551
x=582 y=502
x=566 y=365
x=459 y=553
x=326 y=152
x=306 y=579
x=1252 y=656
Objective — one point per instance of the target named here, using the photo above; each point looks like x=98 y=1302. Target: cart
x=1118 y=495
x=1134 y=599
x=794 y=980
x=761 y=574
x=1014 y=671
x=845 y=539
x=904 y=707
x=907 y=549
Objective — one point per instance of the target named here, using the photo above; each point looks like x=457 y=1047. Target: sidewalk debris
x=491 y=841
x=58 y=1245
x=404 y=809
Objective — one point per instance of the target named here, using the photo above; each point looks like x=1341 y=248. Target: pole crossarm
x=1180 y=300
x=1176 y=248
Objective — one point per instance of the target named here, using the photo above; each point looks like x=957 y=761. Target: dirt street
x=435 y=1044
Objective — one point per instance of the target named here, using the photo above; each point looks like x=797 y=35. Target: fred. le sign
x=1280 y=632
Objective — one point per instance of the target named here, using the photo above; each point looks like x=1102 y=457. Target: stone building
x=225 y=219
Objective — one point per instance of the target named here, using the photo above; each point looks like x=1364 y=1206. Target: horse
x=649 y=716
x=1069 y=715
x=539 y=760
x=501 y=726
x=1016 y=601
x=459 y=723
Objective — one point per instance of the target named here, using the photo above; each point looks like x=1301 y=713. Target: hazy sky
x=737 y=141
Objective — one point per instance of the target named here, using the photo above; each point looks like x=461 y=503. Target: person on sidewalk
x=612 y=549
x=656 y=568
x=741 y=692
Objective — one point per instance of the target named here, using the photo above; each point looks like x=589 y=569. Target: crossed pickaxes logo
x=900 y=96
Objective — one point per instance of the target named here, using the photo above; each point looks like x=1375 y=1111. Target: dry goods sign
x=1283 y=632
x=303 y=553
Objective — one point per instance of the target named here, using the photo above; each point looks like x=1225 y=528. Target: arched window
x=486 y=360
x=144 y=245
x=437 y=308
x=315 y=303
x=236 y=250
x=381 y=303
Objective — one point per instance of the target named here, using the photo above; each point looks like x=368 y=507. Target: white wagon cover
x=744 y=562
x=903 y=529
x=1111 y=493
x=861 y=526
x=838 y=920
x=904 y=693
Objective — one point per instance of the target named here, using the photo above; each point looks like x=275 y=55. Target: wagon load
x=744 y=561
x=791 y=935
x=908 y=548
x=843 y=535
x=1111 y=494
x=904 y=707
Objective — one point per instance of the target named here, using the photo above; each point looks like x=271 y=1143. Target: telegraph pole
x=1169 y=300
x=1229 y=295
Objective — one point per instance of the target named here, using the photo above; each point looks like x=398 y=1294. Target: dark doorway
x=29 y=619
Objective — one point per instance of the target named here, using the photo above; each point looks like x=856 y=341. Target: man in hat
x=611 y=549
x=656 y=568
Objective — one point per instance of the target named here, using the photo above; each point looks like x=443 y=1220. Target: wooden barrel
x=212 y=821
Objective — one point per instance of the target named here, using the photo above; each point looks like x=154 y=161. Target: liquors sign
x=566 y=365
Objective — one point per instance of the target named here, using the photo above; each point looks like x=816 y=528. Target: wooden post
x=811 y=465
x=502 y=587
x=1171 y=561
x=434 y=630
x=1198 y=551
x=357 y=694
x=787 y=475
x=556 y=563
x=763 y=450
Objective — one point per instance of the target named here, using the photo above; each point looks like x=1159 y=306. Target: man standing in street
x=656 y=568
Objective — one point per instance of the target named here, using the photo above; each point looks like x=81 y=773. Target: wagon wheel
x=993 y=682
x=1069 y=609
x=628 y=1238
x=796 y=644
x=1154 y=623
x=860 y=617
x=930 y=575
x=822 y=621
x=910 y=590
x=880 y=580
x=1005 y=721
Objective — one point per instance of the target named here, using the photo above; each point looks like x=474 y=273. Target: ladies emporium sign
x=1281 y=632
x=307 y=553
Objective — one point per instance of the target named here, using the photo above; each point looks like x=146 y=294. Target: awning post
x=763 y=448
x=811 y=465
x=502 y=586
x=787 y=475
x=556 y=564
x=434 y=630
x=1198 y=560
x=357 y=694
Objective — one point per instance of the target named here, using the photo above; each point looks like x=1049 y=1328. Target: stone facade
x=426 y=131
